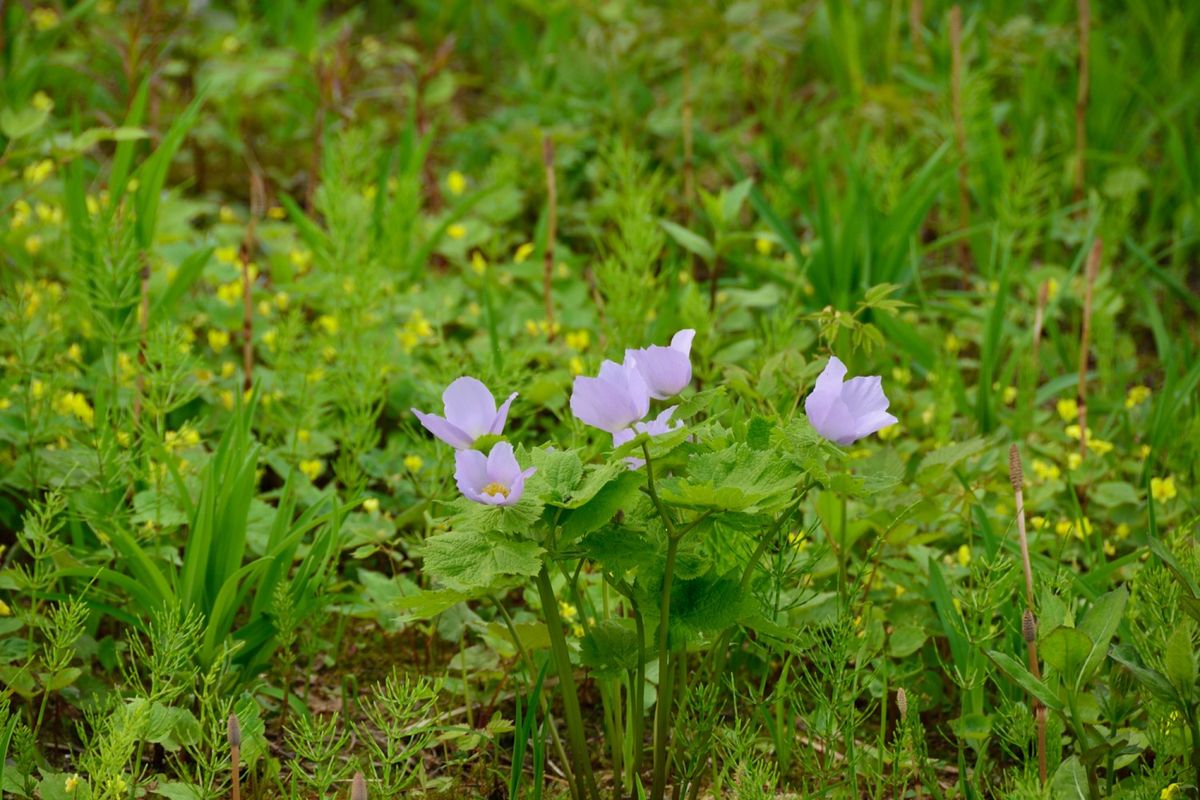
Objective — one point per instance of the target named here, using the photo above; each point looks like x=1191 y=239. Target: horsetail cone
x=1016 y=475
x=235 y=731
x=902 y=702
x=1029 y=627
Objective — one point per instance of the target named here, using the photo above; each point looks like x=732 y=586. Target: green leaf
x=597 y=512
x=18 y=124
x=1153 y=680
x=1114 y=493
x=559 y=470
x=1020 y=674
x=708 y=604
x=1179 y=660
x=1067 y=650
x=468 y=561
x=176 y=790
x=428 y=604
x=1100 y=625
x=738 y=478
x=610 y=647
x=596 y=478
x=688 y=240
x=1070 y=781
x=63 y=679
x=617 y=550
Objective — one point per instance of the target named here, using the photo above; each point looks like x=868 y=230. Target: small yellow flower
x=575 y=365
x=230 y=293
x=270 y=338
x=21 y=212
x=1074 y=431
x=413 y=462
x=1136 y=396
x=371 y=505
x=577 y=630
x=1123 y=531
x=531 y=327
x=44 y=18
x=33 y=244
x=1101 y=446
x=1110 y=549
x=1144 y=451
x=230 y=44
x=5 y=610
x=478 y=263
x=578 y=340
x=890 y=432
x=1063 y=527
x=902 y=375
x=226 y=255
x=763 y=245
x=42 y=102
x=1045 y=471
x=218 y=340
x=1038 y=523
x=951 y=344
x=312 y=468
x=328 y=323
x=227 y=399
x=304 y=435
x=276 y=212
x=281 y=300
x=798 y=539
x=75 y=404
x=71 y=784
x=456 y=231
x=1010 y=395
x=523 y=252
x=1074 y=460
x=226 y=214
x=1163 y=489
x=568 y=611
x=370 y=191
x=1171 y=792
x=1068 y=409
x=1052 y=288
x=37 y=389
x=964 y=555
x=301 y=259
x=456 y=183
x=228 y=369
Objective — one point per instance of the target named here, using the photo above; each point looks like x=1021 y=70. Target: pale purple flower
x=655 y=427
x=666 y=370
x=846 y=412
x=470 y=413
x=495 y=479
x=614 y=400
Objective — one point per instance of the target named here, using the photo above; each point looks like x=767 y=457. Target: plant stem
x=571 y=712
x=662 y=711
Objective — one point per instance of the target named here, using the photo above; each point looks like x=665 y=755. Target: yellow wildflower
x=568 y=611
x=5 y=610
x=456 y=183
x=44 y=18
x=230 y=44
x=763 y=245
x=478 y=263
x=230 y=293
x=1110 y=549
x=1051 y=288
x=301 y=259
x=1163 y=489
x=575 y=365
x=1144 y=451
x=413 y=463
x=1101 y=446
x=228 y=369
x=371 y=505
x=21 y=212
x=33 y=244
x=456 y=231
x=328 y=323
x=276 y=212
x=1074 y=460
x=1038 y=523
x=75 y=404
x=1171 y=792
x=42 y=102
x=226 y=215
x=951 y=344
x=1068 y=409
x=1045 y=471
x=218 y=340
x=1063 y=527
x=1136 y=396
x=523 y=252
x=964 y=555
x=282 y=300
x=226 y=255
x=312 y=468
x=578 y=340
x=227 y=399
x=1123 y=531
x=71 y=784
x=1010 y=395
x=37 y=389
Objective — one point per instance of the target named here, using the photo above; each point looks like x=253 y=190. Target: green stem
x=662 y=710
x=637 y=698
x=1082 y=742
x=566 y=679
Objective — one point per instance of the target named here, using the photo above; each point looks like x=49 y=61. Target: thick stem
x=570 y=694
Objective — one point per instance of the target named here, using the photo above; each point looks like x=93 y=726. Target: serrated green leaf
x=559 y=470
x=617 y=550
x=738 y=478
x=610 y=647
x=468 y=561
x=428 y=604
x=600 y=509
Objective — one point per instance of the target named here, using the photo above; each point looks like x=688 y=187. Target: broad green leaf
x=469 y=561
x=708 y=604
x=1067 y=650
x=1114 y=493
x=1179 y=660
x=1070 y=781
x=18 y=124
x=1020 y=674
x=1153 y=680
x=610 y=647
x=688 y=240
x=559 y=470
x=1100 y=625
x=597 y=512
x=428 y=604
x=617 y=550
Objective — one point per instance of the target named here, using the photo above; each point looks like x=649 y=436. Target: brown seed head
x=902 y=702
x=1029 y=627
x=1016 y=475
x=235 y=731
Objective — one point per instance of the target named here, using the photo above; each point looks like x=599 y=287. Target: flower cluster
x=617 y=401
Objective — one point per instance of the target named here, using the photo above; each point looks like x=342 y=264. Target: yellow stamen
x=496 y=488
